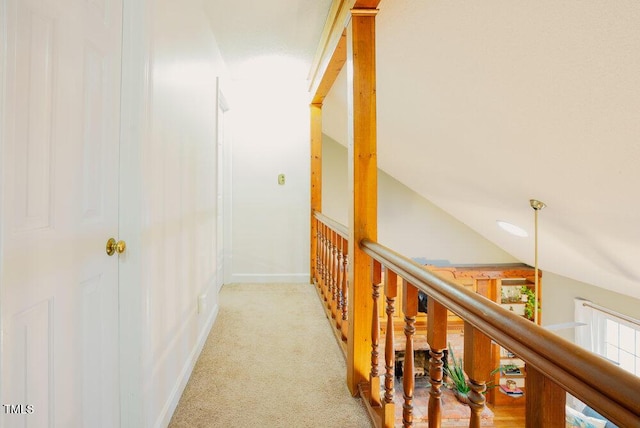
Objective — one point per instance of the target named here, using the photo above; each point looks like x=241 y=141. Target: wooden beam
x=366 y=4
x=316 y=180
x=321 y=87
x=331 y=52
x=334 y=28
x=363 y=183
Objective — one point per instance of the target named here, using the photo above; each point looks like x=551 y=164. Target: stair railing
x=331 y=271
x=554 y=365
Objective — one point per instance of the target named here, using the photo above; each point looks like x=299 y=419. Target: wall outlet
x=281 y=179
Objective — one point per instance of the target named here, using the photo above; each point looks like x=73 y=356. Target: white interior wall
x=413 y=226
x=407 y=222
x=270 y=225
x=171 y=212
x=559 y=292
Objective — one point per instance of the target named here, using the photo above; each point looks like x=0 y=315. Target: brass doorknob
x=113 y=247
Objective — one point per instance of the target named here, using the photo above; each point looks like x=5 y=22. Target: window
x=621 y=344
x=613 y=336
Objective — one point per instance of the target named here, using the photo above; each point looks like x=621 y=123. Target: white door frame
x=3 y=66
x=134 y=130
x=223 y=154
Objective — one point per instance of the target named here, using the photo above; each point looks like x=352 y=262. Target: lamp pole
x=537 y=206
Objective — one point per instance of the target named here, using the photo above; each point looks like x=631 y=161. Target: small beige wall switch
x=281 y=179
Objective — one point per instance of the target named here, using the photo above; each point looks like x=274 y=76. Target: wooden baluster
x=317 y=262
x=345 y=288
x=321 y=254
x=334 y=273
x=320 y=261
x=325 y=260
x=374 y=378
x=318 y=247
x=477 y=365
x=545 y=401
x=329 y=268
x=339 y=275
x=391 y=292
x=410 y=309
x=437 y=339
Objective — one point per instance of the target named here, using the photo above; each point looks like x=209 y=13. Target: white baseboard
x=269 y=278
x=166 y=414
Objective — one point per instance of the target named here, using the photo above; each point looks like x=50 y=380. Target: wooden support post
x=477 y=365
x=391 y=292
x=545 y=405
x=363 y=170
x=316 y=182
x=437 y=339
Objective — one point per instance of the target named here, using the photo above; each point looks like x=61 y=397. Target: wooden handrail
x=341 y=229
x=607 y=388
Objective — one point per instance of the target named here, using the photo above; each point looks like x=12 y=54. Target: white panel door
x=59 y=172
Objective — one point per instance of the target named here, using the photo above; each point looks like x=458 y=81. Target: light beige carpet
x=271 y=360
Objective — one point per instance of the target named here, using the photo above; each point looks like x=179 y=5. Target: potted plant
x=457 y=377
x=530 y=303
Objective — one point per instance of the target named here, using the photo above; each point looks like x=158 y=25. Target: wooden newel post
x=363 y=186
x=545 y=405
x=391 y=292
x=410 y=309
x=437 y=339
x=477 y=365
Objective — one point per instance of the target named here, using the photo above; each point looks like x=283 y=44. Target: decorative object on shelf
x=510 y=369
x=537 y=206
x=511 y=295
x=511 y=389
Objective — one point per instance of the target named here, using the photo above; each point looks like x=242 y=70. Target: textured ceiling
x=482 y=106
x=274 y=33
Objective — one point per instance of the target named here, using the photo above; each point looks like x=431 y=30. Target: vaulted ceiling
x=483 y=106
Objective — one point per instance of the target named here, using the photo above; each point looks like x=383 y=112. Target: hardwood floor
x=508 y=417
x=503 y=416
